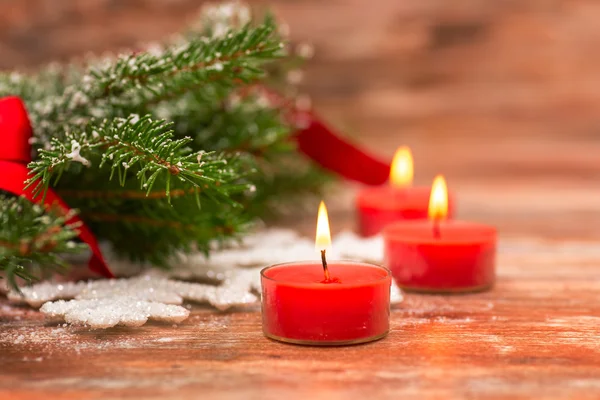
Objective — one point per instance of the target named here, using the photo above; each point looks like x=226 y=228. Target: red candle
x=298 y=306
x=325 y=303
x=379 y=206
x=441 y=256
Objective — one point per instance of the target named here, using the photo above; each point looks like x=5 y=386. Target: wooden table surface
x=501 y=97
x=535 y=335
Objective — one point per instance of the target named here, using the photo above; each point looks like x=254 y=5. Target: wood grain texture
x=535 y=335
x=499 y=96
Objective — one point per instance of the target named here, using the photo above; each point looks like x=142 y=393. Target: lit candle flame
x=438 y=200
x=323 y=237
x=401 y=170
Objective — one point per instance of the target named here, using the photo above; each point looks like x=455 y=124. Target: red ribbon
x=15 y=154
x=338 y=155
x=328 y=148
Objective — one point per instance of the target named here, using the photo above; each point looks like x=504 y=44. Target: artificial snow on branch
x=207 y=157
x=135 y=144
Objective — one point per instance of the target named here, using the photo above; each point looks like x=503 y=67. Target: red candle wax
x=299 y=307
x=461 y=258
x=380 y=206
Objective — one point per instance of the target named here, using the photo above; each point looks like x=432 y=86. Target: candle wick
x=325 y=269
x=436 y=228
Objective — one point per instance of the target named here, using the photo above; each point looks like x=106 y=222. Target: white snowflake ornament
x=108 y=312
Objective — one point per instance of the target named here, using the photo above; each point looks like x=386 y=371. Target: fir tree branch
x=153 y=222
x=152 y=230
x=68 y=101
x=33 y=238
x=208 y=144
x=201 y=58
x=142 y=145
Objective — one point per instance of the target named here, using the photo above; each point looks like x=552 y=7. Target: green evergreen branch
x=232 y=57
x=206 y=139
x=142 y=145
x=152 y=229
x=134 y=82
x=33 y=238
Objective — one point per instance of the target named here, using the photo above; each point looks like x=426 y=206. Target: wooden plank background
x=502 y=97
x=513 y=78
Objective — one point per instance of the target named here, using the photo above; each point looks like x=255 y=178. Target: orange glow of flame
x=401 y=171
x=323 y=237
x=438 y=200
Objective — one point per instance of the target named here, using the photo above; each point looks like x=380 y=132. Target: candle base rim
x=449 y=291
x=322 y=343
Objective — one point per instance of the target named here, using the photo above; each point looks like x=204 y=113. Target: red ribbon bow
x=15 y=154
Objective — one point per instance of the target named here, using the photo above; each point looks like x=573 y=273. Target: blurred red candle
x=320 y=303
x=441 y=256
x=382 y=205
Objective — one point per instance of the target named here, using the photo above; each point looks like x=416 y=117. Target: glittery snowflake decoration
x=108 y=312
x=158 y=296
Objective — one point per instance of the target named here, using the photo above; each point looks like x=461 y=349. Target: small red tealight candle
x=379 y=206
x=441 y=256
x=321 y=303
